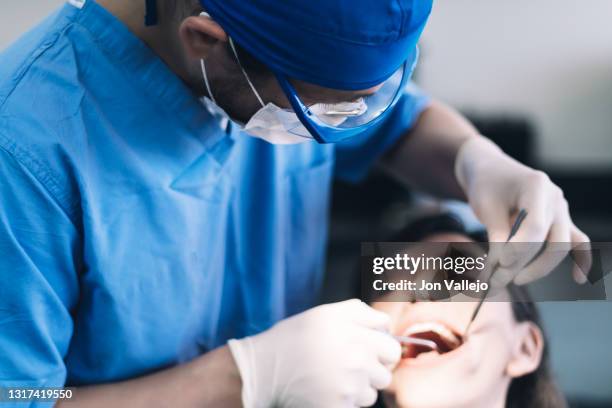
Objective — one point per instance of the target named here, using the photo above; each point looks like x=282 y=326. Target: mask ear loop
x=212 y=97
x=245 y=73
x=203 y=67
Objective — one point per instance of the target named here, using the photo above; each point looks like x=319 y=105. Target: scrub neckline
x=146 y=69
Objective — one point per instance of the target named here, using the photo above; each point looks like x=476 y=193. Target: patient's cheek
x=476 y=353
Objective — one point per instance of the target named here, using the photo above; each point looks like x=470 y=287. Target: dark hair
x=533 y=390
x=249 y=62
x=177 y=9
x=536 y=389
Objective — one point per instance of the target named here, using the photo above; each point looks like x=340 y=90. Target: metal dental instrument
x=406 y=340
x=517 y=223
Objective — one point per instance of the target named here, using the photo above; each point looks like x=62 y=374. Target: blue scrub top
x=135 y=231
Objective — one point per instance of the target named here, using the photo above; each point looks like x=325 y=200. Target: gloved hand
x=497 y=187
x=334 y=355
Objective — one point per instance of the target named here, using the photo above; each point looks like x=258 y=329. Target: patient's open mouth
x=445 y=339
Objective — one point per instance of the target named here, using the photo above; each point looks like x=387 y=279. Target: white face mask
x=282 y=126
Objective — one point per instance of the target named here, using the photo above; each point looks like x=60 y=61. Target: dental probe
x=406 y=340
x=517 y=223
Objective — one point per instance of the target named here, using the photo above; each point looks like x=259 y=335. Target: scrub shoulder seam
x=46 y=43
x=38 y=172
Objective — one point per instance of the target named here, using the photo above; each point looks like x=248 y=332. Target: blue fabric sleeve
x=39 y=284
x=355 y=157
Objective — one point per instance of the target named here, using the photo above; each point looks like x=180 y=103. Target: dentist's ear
x=528 y=350
x=199 y=34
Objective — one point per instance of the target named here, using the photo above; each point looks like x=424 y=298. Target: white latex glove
x=334 y=355
x=497 y=187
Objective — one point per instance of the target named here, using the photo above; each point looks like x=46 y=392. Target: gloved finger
x=366 y=397
x=380 y=376
x=492 y=261
x=504 y=274
x=581 y=254
x=369 y=317
x=387 y=349
x=532 y=233
x=501 y=279
x=494 y=216
x=349 y=304
x=556 y=250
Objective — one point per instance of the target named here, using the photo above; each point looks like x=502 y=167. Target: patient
x=503 y=361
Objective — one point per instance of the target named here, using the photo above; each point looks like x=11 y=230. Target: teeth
x=437 y=328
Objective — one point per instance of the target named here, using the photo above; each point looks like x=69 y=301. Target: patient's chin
x=452 y=383
x=419 y=388
x=432 y=398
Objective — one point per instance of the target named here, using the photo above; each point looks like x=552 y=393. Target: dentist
x=142 y=228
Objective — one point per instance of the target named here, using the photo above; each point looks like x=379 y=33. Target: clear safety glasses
x=343 y=121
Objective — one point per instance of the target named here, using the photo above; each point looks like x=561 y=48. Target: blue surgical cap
x=339 y=44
